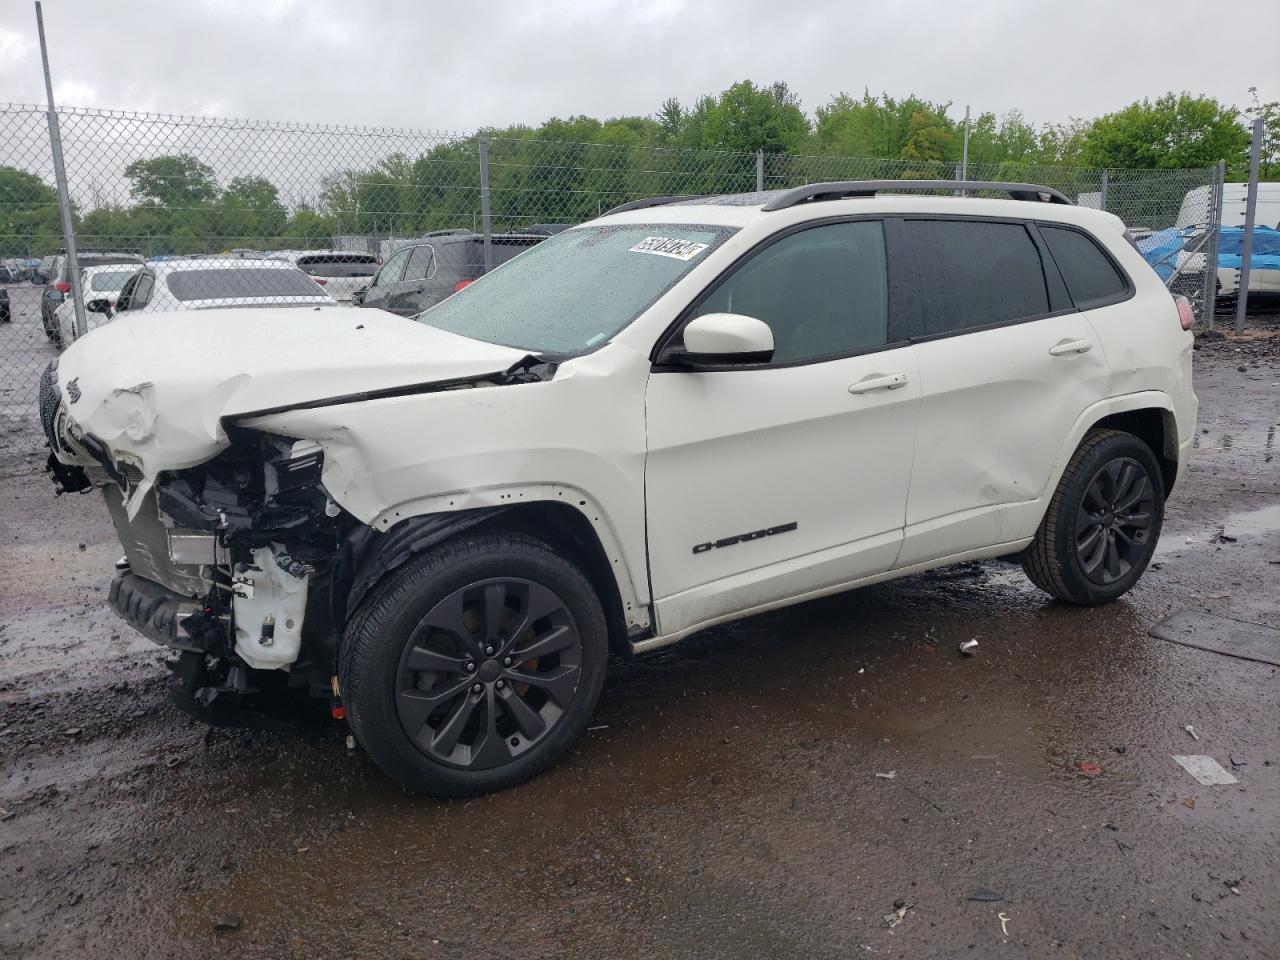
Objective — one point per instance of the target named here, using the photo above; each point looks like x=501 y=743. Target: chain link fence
x=180 y=190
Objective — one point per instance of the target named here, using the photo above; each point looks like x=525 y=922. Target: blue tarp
x=1161 y=248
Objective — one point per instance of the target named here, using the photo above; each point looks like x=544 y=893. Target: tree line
x=566 y=170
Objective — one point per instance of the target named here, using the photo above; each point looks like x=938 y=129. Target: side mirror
x=38 y=280
x=99 y=306
x=357 y=298
x=718 y=339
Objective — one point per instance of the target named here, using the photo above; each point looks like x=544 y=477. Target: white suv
x=684 y=412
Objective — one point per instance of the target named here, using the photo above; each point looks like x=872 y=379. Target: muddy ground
x=725 y=803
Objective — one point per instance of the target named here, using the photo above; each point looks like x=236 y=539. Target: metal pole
x=1213 y=223
x=484 y=203
x=964 y=157
x=1250 y=208
x=1102 y=196
x=759 y=171
x=80 y=327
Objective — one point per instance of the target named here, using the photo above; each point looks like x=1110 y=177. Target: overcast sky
x=459 y=65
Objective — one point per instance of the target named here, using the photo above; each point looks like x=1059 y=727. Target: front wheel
x=1103 y=522
x=476 y=666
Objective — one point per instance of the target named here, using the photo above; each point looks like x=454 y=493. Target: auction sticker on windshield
x=672 y=247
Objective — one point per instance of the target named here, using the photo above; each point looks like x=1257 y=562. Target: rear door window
x=419 y=267
x=1092 y=278
x=956 y=275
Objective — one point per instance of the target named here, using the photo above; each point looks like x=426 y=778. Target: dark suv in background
x=58 y=278
x=423 y=273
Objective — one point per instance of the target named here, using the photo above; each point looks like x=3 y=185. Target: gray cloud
x=457 y=66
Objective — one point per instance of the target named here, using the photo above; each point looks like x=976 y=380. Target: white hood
x=154 y=387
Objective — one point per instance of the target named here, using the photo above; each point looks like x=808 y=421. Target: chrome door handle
x=1070 y=346
x=891 y=381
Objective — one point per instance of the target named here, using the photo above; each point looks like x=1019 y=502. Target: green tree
x=251 y=212
x=746 y=118
x=1269 y=162
x=174 y=181
x=30 y=225
x=878 y=127
x=1176 y=131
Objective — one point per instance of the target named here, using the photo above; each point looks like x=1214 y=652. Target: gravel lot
x=726 y=802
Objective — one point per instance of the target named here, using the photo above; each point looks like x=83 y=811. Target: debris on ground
x=986 y=895
x=1004 y=923
x=900 y=908
x=227 y=923
x=887 y=776
x=968 y=647
x=351 y=742
x=1221 y=536
x=1235 y=762
x=1206 y=770
x=1089 y=768
x=1192 y=730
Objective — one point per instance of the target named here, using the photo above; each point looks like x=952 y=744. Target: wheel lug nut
x=476 y=688
x=500 y=684
x=506 y=661
x=488 y=651
x=470 y=667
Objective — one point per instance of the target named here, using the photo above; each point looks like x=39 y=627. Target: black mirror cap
x=679 y=357
x=100 y=305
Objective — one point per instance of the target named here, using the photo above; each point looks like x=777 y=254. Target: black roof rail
x=840 y=189
x=651 y=202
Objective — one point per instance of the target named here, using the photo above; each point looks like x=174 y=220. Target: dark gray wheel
x=1114 y=521
x=475 y=666
x=489 y=672
x=1103 y=521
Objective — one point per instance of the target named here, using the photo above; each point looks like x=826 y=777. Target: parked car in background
x=192 y=284
x=97 y=284
x=59 y=280
x=5 y=315
x=674 y=416
x=8 y=275
x=43 y=270
x=342 y=273
x=422 y=274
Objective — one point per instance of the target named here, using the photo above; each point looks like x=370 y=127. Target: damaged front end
x=230 y=561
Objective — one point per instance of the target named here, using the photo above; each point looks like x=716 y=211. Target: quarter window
x=822 y=291
x=1090 y=275
x=391 y=271
x=956 y=275
x=419 y=263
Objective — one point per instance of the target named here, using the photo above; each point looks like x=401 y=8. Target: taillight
x=320 y=280
x=462 y=283
x=62 y=286
x=1186 y=316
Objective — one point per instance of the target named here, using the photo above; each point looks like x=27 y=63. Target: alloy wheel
x=1115 y=520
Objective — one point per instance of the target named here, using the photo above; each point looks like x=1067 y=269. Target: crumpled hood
x=154 y=387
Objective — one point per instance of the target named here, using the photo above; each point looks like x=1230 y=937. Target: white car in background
x=207 y=282
x=98 y=283
x=343 y=273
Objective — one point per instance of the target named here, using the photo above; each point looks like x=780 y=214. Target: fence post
x=1102 y=196
x=80 y=327
x=964 y=157
x=1214 y=226
x=759 y=171
x=485 y=218
x=1250 y=209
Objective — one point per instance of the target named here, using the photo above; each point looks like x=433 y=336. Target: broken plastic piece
x=1206 y=770
x=1192 y=730
x=887 y=776
x=968 y=647
x=1089 y=768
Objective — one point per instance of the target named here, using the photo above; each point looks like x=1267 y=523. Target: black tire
x=1086 y=552
x=386 y=689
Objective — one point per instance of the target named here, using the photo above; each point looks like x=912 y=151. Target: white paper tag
x=1206 y=770
x=672 y=247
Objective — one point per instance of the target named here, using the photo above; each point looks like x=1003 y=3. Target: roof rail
x=840 y=189
x=651 y=202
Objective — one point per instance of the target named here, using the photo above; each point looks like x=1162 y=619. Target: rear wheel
x=475 y=667
x=1103 y=522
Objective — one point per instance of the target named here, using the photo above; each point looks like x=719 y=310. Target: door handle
x=1070 y=346
x=890 y=381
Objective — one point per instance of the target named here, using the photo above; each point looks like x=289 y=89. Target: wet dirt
x=725 y=802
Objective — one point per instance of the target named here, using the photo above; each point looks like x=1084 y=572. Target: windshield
x=574 y=291
x=109 y=280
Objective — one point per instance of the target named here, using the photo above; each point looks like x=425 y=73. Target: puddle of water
x=1245 y=523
